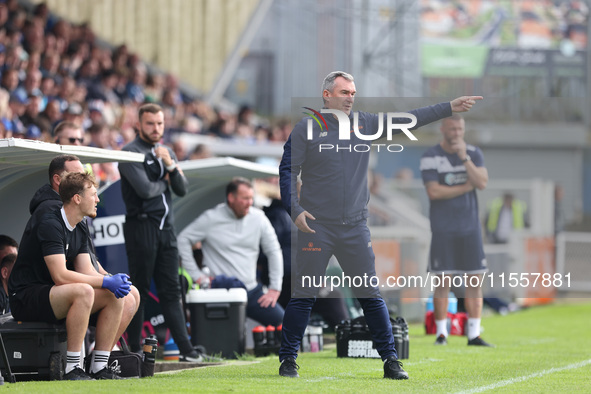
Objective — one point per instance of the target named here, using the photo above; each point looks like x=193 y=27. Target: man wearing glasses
x=68 y=133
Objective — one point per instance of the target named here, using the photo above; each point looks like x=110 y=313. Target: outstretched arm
x=464 y=103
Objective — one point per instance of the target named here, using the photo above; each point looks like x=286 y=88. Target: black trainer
x=192 y=357
x=207 y=358
x=107 y=373
x=77 y=374
x=393 y=369
x=289 y=368
x=479 y=342
x=441 y=340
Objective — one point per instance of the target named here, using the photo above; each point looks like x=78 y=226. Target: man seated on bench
x=232 y=234
x=47 y=199
x=8 y=252
x=43 y=285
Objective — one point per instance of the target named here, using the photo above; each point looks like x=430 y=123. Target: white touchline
x=527 y=377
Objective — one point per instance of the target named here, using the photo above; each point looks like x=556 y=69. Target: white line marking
x=527 y=377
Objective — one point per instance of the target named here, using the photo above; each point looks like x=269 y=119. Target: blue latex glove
x=123 y=290
x=118 y=284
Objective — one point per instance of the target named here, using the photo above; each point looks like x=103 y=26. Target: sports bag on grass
x=125 y=362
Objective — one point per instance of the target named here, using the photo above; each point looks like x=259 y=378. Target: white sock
x=72 y=360
x=473 y=327
x=100 y=358
x=441 y=327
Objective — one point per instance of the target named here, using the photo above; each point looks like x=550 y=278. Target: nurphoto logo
x=394 y=121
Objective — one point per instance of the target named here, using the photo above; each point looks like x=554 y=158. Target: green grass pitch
x=541 y=349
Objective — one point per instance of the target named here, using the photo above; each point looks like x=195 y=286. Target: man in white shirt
x=231 y=235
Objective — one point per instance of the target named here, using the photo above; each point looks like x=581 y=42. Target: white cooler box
x=218 y=320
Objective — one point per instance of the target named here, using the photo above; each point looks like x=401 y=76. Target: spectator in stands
x=505 y=215
x=232 y=234
x=4 y=115
x=74 y=113
x=89 y=71
x=116 y=140
x=16 y=107
x=68 y=133
x=180 y=150
x=50 y=64
x=2 y=47
x=3 y=15
x=95 y=112
x=31 y=87
x=245 y=116
x=33 y=35
x=224 y=127
x=47 y=88
x=10 y=79
x=16 y=60
x=134 y=90
x=65 y=92
x=201 y=151
x=99 y=136
x=104 y=89
x=154 y=87
x=59 y=50
x=120 y=57
x=31 y=114
x=52 y=113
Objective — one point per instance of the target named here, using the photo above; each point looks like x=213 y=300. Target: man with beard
x=47 y=199
x=150 y=239
x=43 y=287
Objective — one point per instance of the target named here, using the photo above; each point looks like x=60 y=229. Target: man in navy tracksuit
x=330 y=212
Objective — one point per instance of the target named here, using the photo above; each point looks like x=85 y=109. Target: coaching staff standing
x=150 y=240
x=331 y=214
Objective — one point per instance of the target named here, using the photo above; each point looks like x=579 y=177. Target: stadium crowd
x=53 y=70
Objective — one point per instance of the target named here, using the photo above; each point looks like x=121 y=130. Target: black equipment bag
x=125 y=362
x=354 y=339
x=129 y=363
x=35 y=350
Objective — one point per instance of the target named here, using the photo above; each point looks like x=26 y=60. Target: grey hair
x=328 y=83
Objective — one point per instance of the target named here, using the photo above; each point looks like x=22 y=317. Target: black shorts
x=93 y=319
x=457 y=253
x=32 y=304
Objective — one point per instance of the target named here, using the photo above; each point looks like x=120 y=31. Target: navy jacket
x=334 y=181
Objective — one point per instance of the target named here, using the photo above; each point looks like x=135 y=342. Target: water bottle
x=270 y=335
x=206 y=281
x=398 y=344
x=150 y=349
x=315 y=338
x=258 y=336
x=403 y=354
x=305 y=345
